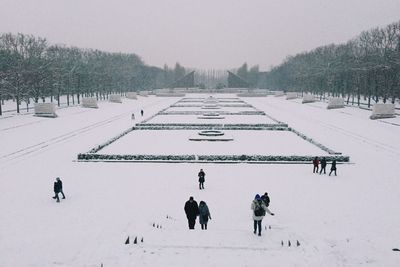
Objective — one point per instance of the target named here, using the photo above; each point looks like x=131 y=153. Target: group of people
x=259 y=207
x=316 y=162
x=192 y=209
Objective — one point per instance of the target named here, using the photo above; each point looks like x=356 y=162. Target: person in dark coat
x=259 y=210
x=204 y=215
x=141 y=112
x=333 y=167
x=58 y=188
x=202 y=176
x=191 y=210
x=323 y=165
x=315 y=163
x=266 y=199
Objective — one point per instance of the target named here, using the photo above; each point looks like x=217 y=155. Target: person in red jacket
x=316 y=164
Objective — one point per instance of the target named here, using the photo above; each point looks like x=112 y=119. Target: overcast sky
x=216 y=34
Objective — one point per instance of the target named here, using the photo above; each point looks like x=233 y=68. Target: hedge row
x=219 y=112
x=99 y=147
x=321 y=146
x=209 y=158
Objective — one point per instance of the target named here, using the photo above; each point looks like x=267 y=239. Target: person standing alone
x=58 y=188
x=191 y=210
x=202 y=176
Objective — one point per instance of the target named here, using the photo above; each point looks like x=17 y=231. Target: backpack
x=258 y=209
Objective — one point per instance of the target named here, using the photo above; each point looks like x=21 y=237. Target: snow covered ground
x=347 y=220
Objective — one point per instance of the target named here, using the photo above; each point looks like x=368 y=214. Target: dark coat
x=58 y=186
x=201 y=176
x=191 y=209
x=315 y=162
x=204 y=213
x=323 y=163
x=333 y=167
x=266 y=200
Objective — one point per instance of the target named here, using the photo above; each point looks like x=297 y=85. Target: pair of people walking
x=259 y=207
x=58 y=188
x=193 y=210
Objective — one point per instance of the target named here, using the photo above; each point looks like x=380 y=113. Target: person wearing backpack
x=259 y=211
x=204 y=215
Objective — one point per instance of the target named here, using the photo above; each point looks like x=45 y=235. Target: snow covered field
x=347 y=220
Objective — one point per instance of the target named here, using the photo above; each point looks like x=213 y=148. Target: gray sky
x=198 y=33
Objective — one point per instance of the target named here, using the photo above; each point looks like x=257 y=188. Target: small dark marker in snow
x=157 y=225
x=297 y=243
x=154 y=225
x=135 y=241
x=270 y=227
x=289 y=244
x=127 y=241
x=141 y=240
x=282 y=243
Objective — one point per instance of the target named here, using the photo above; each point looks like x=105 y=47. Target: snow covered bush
x=335 y=102
x=381 y=111
x=291 y=95
x=115 y=98
x=131 y=95
x=45 y=110
x=308 y=98
x=89 y=102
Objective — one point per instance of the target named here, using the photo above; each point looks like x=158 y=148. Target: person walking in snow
x=265 y=198
x=333 y=167
x=315 y=163
x=202 y=176
x=58 y=188
x=259 y=211
x=133 y=116
x=204 y=215
x=191 y=210
x=141 y=112
x=323 y=165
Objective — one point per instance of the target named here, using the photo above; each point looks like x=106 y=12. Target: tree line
x=364 y=68
x=33 y=70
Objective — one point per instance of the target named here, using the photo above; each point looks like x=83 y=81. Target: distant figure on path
x=204 y=215
x=265 y=199
x=141 y=112
x=315 y=163
x=323 y=165
x=202 y=176
x=333 y=167
x=133 y=116
x=191 y=210
x=58 y=189
x=259 y=210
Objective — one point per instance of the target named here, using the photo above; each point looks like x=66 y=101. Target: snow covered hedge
x=321 y=146
x=45 y=110
x=308 y=98
x=131 y=95
x=291 y=95
x=206 y=158
x=267 y=158
x=335 y=102
x=252 y=95
x=89 y=102
x=279 y=93
x=381 y=111
x=220 y=112
x=115 y=99
x=97 y=148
